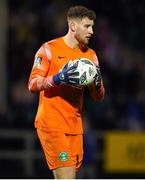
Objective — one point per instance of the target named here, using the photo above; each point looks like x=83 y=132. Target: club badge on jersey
x=37 y=62
x=63 y=156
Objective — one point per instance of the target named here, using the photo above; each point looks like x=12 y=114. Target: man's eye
x=87 y=26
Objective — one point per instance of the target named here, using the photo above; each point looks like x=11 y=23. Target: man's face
x=84 y=30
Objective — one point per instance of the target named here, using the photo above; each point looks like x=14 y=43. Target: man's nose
x=91 y=31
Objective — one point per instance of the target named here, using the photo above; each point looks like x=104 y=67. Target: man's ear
x=72 y=26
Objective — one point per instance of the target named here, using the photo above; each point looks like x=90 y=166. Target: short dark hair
x=81 y=12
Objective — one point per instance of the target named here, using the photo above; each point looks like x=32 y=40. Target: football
x=87 y=70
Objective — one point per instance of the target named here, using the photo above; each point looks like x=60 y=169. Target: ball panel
x=87 y=70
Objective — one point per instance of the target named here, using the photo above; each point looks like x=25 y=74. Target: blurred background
x=114 y=139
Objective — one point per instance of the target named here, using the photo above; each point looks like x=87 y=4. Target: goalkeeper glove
x=98 y=78
x=67 y=75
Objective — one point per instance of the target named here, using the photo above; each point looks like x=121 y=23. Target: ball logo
x=91 y=71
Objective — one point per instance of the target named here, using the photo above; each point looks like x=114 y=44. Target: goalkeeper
x=59 y=116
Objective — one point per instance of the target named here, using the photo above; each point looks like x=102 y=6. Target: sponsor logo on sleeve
x=37 y=62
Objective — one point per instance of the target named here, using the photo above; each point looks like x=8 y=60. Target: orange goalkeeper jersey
x=60 y=107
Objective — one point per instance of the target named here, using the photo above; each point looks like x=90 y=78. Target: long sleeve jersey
x=60 y=106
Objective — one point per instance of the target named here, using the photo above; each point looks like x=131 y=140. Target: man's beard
x=81 y=40
x=83 y=45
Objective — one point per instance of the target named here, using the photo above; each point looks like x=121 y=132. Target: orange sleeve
x=99 y=94
x=38 y=80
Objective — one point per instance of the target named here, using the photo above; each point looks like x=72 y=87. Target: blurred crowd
x=118 y=41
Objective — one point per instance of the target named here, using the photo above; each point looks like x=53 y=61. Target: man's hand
x=67 y=75
x=98 y=78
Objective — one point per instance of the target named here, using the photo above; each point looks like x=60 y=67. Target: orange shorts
x=61 y=150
